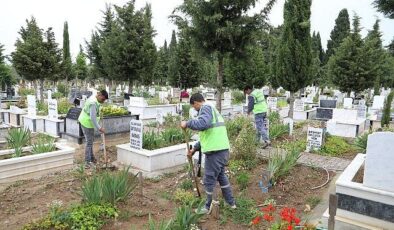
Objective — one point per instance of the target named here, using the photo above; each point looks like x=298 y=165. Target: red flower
x=297 y=221
x=269 y=208
x=289 y=227
x=268 y=218
x=256 y=220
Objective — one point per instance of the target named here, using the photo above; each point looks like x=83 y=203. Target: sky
x=83 y=16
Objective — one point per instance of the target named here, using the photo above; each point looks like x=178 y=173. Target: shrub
x=18 y=138
x=63 y=106
x=155 y=101
x=335 y=146
x=238 y=97
x=280 y=165
x=171 y=120
x=186 y=184
x=235 y=126
x=243 y=180
x=186 y=217
x=245 y=146
x=274 y=118
x=57 y=95
x=42 y=108
x=109 y=188
x=63 y=89
x=185 y=111
x=278 y=130
x=361 y=142
x=282 y=104
x=23 y=92
x=184 y=197
x=110 y=111
x=387 y=110
x=85 y=216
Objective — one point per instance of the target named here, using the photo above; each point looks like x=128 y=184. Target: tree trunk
x=42 y=90
x=219 y=78
x=291 y=106
x=130 y=86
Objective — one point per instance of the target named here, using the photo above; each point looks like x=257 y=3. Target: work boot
x=204 y=210
x=266 y=144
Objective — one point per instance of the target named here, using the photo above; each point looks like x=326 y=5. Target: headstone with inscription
x=138 y=101
x=31 y=105
x=361 y=111
x=272 y=102
x=348 y=103
x=52 y=109
x=314 y=138
x=136 y=132
x=328 y=104
x=299 y=105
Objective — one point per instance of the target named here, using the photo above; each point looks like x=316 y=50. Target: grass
x=313 y=201
x=244 y=212
x=336 y=146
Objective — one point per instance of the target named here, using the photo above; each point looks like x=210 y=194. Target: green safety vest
x=214 y=138
x=84 y=117
x=260 y=105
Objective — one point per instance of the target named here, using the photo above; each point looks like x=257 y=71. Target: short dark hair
x=196 y=97
x=247 y=87
x=104 y=93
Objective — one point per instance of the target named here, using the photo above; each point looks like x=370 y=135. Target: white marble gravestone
x=138 y=101
x=348 y=103
x=314 y=139
x=52 y=109
x=159 y=116
x=31 y=105
x=379 y=170
x=299 y=105
x=136 y=132
x=378 y=102
x=272 y=102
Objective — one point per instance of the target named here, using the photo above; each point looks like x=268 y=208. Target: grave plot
x=30 y=159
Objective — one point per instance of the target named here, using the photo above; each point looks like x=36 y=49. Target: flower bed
x=32 y=166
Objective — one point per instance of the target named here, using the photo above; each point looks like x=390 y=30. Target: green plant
x=279 y=165
x=387 y=110
x=62 y=88
x=185 y=111
x=172 y=135
x=245 y=146
x=335 y=146
x=162 y=225
x=186 y=184
x=238 y=97
x=361 y=142
x=43 y=147
x=282 y=104
x=274 y=118
x=243 y=180
x=151 y=140
x=23 y=92
x=171 y=120
x=154 y=101
x=278 y=130
x=313 y=201
x=111 y=110
x=245 y=209
x=109 y=188
x=234 y=126
x=18 y=138
x=184 y=197
x=42 y=108
x=57 y=95
x=186 y=218
x=63 y=106
x=85 y=216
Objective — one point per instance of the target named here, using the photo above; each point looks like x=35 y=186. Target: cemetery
x=107 y=137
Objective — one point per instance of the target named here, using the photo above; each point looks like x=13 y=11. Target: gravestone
x=31 y=105
x=162 y=96
x=328 y=103
x=136 y=132
x=272 y=102
x=299 y=105
x=152 y=91
x=210 y=96
x=324 y=113
x=379 y=170
x=138 y=101
x=378 y=102
x=348 y=103
x=73 y=113
x=361 y=111
x=314 y=138
x=49 y=94
x=176 y=93
x=227 y=96
x=361 y=102
x=52 y=109
x=159 y=116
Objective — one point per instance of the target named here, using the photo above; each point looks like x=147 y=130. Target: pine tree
x=161 y=66
x=386 y=7
x=375 y=56
x=348 y=66
x=390 y=48
x=221 y=28
x=80 y=67
x=318 y=56
x=6 y=78
x=341 y=31
x=251 y=70
x=66 y=62
x=294 y=61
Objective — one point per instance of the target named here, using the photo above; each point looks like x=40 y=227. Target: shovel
x=190 y=159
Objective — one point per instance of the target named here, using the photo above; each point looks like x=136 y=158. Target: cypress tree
x=341 y=31
x=66 y=62
x=294 y=61
x=386 y=7
x=348 y=66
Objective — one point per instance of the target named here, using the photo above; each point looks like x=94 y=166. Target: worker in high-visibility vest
x=89 y=119
x=215 y=145
x=258 y=106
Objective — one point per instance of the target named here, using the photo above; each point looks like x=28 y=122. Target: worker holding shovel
x=89 y=119
x=215 y=145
